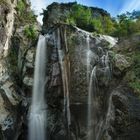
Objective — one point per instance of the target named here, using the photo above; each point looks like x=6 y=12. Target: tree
x=108 y=25
x=80 y=15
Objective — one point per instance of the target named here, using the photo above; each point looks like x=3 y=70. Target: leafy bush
x=127 y=24
x=25 y=15
x=30 y=32
x=122 y=26
x=80 y=16
x=135 y=85
x=96 y=25
x=21 y=7
x=134 y=76
x=83 y=17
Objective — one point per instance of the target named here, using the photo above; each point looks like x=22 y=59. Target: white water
x=37 y=118
x=88 y=57
x=110 y=39
x=91 y=105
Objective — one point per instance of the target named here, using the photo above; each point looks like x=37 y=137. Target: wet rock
x=55 y=69
x=9 y=101
x=28 y=81
x=111 y=40
x=122 y=62
x=30 y=56
x=127 y=115
x=9 y=90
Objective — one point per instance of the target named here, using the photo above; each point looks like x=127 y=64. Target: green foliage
x=24 y=14
x=135 y=85
x=136 y=61
x=127 y=24
x=3 y=2
x=80 y=16
x=122 y=26
x=109 y=25
x=83 y=17
x=30 y=32
x=133 y=77
x=21 y=7
x=97 y=25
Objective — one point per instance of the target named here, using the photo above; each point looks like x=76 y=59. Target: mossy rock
x=122 y=62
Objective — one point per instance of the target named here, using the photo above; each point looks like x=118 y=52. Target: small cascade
x=86 y=35
x=110 y=115
x=110 y=39
x=106 y=65
x=64 y=63
x=88 y=57
x=96 y=123
x=37 y=116
x=92 y=104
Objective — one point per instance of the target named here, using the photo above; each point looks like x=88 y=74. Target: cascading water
x=88 y=56
x=96 y=123
x=37 y=116
x=91 y=104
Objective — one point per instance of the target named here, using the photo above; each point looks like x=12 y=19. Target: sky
x=114 y=7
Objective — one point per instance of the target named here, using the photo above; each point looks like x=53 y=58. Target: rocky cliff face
x=16 y=60
x=58 y=13
x=117 y=113
x=114 y=99
x=72 y=56
x=9 y=98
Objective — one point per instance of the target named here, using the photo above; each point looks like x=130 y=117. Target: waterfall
x=95 y=123
x=91 y=104
x=37 y=116
x=112 y=41
x=88 y=56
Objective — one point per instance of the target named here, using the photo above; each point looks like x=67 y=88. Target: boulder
x=122 y=62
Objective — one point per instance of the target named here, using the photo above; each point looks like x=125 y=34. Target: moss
x=133 y=76
x=3 y=2
x=135 y=85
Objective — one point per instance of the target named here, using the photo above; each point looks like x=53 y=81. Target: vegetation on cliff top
x=27 y=17
x=85 y=18
x=94 y=19
x=25 y=14
x=123 y=25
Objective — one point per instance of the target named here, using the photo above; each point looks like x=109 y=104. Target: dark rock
x=126 y=124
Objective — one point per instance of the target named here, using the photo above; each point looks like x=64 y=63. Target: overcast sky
x=114 y=7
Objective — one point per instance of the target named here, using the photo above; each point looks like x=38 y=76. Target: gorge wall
x=72 y=55
x=16 y=68
x=114 y=98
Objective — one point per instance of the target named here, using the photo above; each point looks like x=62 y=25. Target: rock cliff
x=77 y=61
x=16 y=60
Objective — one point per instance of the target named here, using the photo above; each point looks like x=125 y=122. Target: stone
x=9 y=100
x=125 y=123
x=122 y=62
x=30 y=55
x=10 y=92
x=55 y=69
x=28 y=81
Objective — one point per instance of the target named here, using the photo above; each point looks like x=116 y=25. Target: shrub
x=21 y=7
x=135 y=85
x=80 y=16
x=30 y=32
x=25 y=15
x=83 y=17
